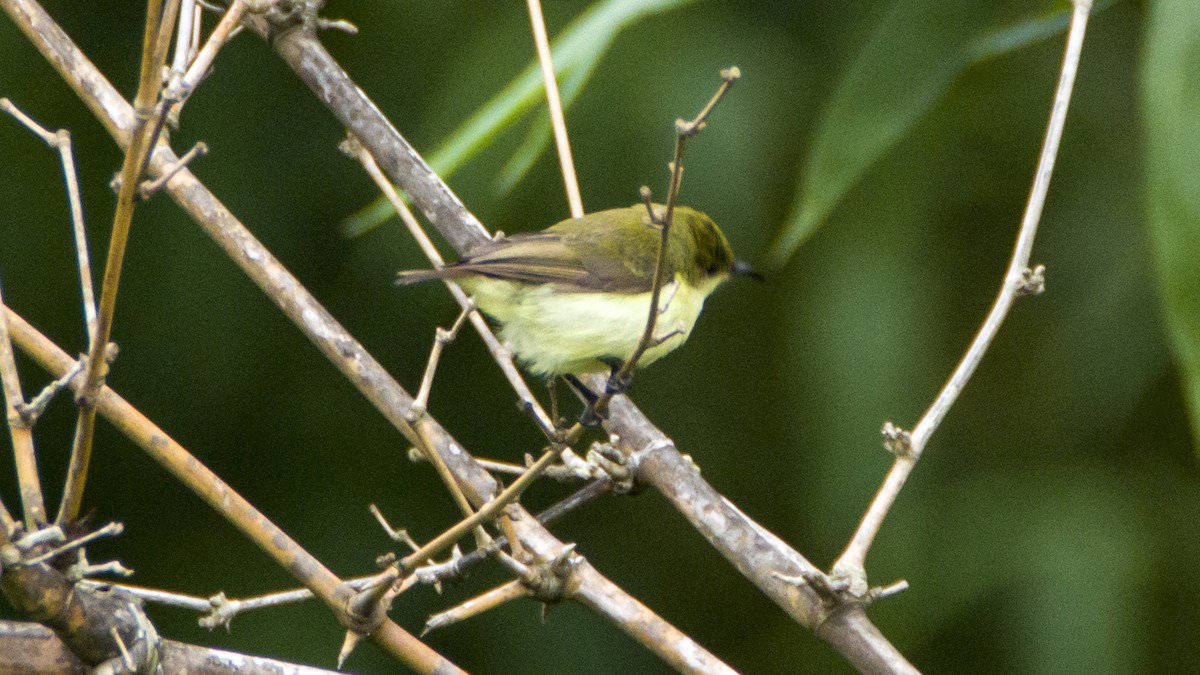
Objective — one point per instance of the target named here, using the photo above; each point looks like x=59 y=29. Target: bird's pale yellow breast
x=554 y=332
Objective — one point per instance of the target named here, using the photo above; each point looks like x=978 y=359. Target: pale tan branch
x=21 y=432
x=554 y=103
x=1019 y=279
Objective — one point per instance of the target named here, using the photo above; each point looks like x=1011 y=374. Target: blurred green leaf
x=1171 y=100
x=538 y=139
x=917 y=51
x=577 y=52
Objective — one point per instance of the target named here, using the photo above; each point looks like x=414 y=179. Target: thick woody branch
x=94 y=624
x=33 y=648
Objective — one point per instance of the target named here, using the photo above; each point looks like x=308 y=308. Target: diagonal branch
x=1019 y=280
x=554 y=103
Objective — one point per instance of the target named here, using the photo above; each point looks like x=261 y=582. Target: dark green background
x=1051 y=527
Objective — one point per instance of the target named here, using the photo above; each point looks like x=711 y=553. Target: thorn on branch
x=399 y=536
x=897 y=441
x=648 y=200
x=337 y=24
x=838 y=590
x=148 y=188
x=549 y=581
x=110 y=530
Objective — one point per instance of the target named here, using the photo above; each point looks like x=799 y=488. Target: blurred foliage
x=1051 y=527
x=1172 y=104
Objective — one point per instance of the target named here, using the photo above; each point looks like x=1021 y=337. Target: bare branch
x=61 y=141
x=22 y=437
x=684 y=130
x=33 y=648
x=1018 y=280
x=751 y=548
x=554 y=103
x=160 y=20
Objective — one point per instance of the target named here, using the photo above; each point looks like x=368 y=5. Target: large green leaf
x=1171 y=100
x=577 y=52
x=917 y=51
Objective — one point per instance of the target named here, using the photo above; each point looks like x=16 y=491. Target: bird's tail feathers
x=416 y=276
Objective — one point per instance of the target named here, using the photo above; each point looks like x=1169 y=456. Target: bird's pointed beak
x=743 y=269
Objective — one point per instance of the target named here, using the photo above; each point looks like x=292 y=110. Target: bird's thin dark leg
x=552 y=387
x=616 y=384
x=590 y=417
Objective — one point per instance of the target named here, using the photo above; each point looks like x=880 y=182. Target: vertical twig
x=1018 y=279
x=546 y=60
x=22 y=436
x=207 y=54
x=183 y=37
x=155 y=39
x=61 y=141
x=684 y=129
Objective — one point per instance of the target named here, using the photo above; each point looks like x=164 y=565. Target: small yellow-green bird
x=575 y=297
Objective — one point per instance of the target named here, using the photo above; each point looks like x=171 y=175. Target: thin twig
x=484 y=514
x=477 y=605
x=684 y=130
x=160 y=18
x=442 y=337
x=61 y=140
x=851 y=564
x=183 y=37
x=24 y=453
x=546 y=60
x=207 y=54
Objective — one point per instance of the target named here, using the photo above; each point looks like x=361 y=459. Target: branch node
x=399 y=536
x=366 y=608
x=1032 y=281
x=222 y=613
x=648 y=199
x=898 y=441
x=549 y=581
